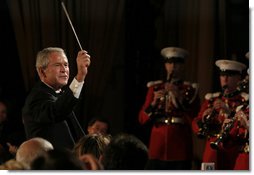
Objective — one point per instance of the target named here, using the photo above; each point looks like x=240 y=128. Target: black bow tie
x=59 y=92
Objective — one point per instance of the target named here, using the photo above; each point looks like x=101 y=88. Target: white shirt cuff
x=76 y=87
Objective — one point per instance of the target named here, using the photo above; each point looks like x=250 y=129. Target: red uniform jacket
x=240 y=135
x=242 y=162
x=171 y=140
x=224 y=157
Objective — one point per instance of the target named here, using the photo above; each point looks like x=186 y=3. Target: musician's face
x=56 y=74
x=231 y=81
x=175 y=68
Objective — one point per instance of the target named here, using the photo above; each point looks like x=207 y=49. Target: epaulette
x=238 y=108
x=245 y=96
x=194 y=85
x=209 y=96
x=152 y=83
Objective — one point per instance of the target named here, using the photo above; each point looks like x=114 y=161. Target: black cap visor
x=230 y=72
x=174 y=60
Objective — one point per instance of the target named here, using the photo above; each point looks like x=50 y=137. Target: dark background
x=12 y=88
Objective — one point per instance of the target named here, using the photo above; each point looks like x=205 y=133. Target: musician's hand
x=225 y=122
x=218 y=104
x=221 y=106
x=158 y=95
x=206 y=114
x=172 y=88
x=242 y=118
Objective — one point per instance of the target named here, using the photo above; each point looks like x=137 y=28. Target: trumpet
x=204 y=129
x=224 y=134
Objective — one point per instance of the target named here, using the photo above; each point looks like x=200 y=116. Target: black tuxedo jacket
x=50 y=115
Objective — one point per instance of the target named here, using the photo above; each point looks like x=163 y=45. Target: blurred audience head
x=98 y=125
x=31 y=149
x=12 y=164
x=94 y=144
x=58 y=160
x=125 y=152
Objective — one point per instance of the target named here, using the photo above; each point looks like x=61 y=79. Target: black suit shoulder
x=45 y=115
x=45 y=105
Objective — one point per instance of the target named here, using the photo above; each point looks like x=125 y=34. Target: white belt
x=171 y=120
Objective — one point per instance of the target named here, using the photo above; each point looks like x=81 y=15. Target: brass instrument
x=166 y=104
x=221 y=138
x=203 y=130
x=162 y=103
x=169 y=97
x=168 y=93
x=243 y=85
x=224 y=134
x=204 y=127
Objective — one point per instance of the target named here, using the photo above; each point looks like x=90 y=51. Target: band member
x=215 y=109
x=240 y=134
x=170 y=105
x=240 y=130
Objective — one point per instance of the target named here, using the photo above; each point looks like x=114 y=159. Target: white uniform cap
x=171 y=52
x=230 y=65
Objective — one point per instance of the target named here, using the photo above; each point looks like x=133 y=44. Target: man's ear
x=88 y=129
x=41 y=72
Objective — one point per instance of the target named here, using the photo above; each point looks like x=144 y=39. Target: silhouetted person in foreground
x=125 y=152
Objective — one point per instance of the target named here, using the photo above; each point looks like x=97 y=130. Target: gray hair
x=42 y=59
x=31 y=149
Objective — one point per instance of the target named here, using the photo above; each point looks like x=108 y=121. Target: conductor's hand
x=83 y=61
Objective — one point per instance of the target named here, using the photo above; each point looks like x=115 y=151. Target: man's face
x=3 y=112
x=174 y=67
x=56 y=74
x=231 y=81
x=98 y=128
